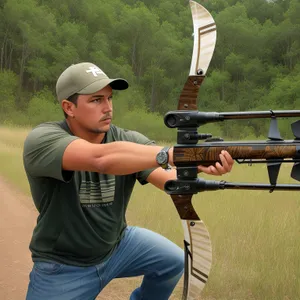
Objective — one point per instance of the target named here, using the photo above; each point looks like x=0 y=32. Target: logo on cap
x=95 y=71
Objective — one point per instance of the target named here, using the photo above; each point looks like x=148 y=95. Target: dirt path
x=17 y=219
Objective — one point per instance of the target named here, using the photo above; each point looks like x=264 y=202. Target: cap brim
x=116 y=84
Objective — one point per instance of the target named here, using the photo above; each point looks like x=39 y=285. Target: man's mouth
x=106 y=119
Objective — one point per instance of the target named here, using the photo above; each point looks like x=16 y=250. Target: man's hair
x=73 y=98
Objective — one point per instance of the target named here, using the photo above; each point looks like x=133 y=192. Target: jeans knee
x=175 y=261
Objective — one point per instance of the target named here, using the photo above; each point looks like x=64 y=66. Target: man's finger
x=211 y=170
x=220 y=169
x=229 y=159
x=224 y=163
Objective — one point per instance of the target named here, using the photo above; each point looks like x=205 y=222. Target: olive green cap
x=85 y=78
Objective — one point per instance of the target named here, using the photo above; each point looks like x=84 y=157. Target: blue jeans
x=141 y=252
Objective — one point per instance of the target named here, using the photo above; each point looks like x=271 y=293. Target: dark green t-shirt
x=81 y=214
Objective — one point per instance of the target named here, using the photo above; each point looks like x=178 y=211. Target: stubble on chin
x=98 y=130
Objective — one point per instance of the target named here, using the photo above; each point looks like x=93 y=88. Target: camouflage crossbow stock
x=188 y=154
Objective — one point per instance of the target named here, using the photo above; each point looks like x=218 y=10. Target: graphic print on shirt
x=97 y=189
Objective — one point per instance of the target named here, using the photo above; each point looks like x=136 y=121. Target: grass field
x=255 y=234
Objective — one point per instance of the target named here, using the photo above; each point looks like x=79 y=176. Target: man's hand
x=219 y=169
x=159 y=176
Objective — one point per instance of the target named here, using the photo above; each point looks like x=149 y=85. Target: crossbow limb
x=197 y=245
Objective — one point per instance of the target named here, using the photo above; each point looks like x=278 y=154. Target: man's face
x=94 y=112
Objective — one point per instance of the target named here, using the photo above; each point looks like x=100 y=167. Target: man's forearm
x=121 y=158
x=160 y=176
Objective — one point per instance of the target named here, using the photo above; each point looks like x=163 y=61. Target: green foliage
x=255 y=65
x=8 y=84
x=152 y=125
x=42 y=108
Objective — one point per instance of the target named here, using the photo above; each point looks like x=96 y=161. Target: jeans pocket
x=48 y=268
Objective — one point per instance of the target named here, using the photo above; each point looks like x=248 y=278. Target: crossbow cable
x=197 y=245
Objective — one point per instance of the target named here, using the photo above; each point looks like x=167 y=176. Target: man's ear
x=68 y=107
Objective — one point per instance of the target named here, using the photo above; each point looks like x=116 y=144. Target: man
x=81 y=173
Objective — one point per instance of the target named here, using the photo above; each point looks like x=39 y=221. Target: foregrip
x=208 y=155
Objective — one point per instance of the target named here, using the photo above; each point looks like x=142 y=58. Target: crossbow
x=188 y=154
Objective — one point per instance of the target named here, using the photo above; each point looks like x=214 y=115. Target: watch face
x=162 y=157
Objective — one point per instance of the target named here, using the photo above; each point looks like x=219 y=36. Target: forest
x=255 y=65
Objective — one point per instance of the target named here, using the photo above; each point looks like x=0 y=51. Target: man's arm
x=49 y=151
x=118 y=158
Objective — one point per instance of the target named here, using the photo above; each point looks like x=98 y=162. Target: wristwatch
x=162 y=158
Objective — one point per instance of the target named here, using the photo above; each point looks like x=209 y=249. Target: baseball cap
x=85 y=78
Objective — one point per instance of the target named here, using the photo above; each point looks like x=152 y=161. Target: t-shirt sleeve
x=139 y=138
x=43 y=152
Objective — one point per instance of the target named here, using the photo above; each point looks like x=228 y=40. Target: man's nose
x=107 y=105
